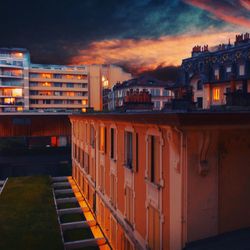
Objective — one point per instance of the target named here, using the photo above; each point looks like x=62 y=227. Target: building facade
x=42 y=87
x=160 y=95
x=161 y=181
x=14 y=80
x=214 y=74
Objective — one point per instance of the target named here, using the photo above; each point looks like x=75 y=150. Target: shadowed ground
x=28 y=216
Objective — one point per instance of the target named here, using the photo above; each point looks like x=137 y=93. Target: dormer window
x=228 y=69
x=216 y=74
x=242 y=69
x=199 y=85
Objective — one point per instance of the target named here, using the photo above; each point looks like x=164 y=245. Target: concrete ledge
x=75 y=210
x=61 y=184
x=78 y=224
x=1 y=183
x=64 y=191
x=59 y=178
x=66 y=200
x=84 y=243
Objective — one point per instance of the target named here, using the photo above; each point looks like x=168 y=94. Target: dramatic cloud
x=235 y=12
x=147 y=54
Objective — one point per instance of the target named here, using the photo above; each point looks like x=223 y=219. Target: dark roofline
x=189 y=119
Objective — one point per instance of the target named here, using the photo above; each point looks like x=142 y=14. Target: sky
x=139 y=35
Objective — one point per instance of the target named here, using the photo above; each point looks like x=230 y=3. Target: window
x=157 y=105
x=58 y=93
x=128 y=149
x=33 y=84
x=57 y=84
x=92 y=136
x=113 y=233
x=216 y=94
x=241 y=69
x=102 y=139
x=46 y=101
x=86 y=162
x=199 y=85
x=101 y=178
x=46 y=84
x=33 y=101
x=129 y=204
x=216 y=74
x=126 y=244
x=70 y=85
x=228 y=69
x=199 y=102
x=33 y=92
x=58 y=101
x=112 y=143
x=166 y=92
x=154 y=159
x=153 y=229
x=113 y=190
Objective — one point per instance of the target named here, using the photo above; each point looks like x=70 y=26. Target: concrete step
x=75 y=210
x=61 y=184
x=1 y=183
x=64 y=191
x=59 y=178
x=66 y=200
x=78 y=224
x=84 y=243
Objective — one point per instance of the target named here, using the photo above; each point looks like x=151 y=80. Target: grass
x=78 y=234
x=68 y=205
x=27 y=215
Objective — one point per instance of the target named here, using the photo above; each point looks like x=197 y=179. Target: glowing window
x=46 y=75
x=216 y=94
x=19 y=109
x=17 y=92
x=46 y=84
x=9 y=100
x=84 y=102
x=228 y=69
x=102 y=138
x=70 y=93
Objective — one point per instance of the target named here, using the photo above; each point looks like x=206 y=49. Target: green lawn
x=28 y=219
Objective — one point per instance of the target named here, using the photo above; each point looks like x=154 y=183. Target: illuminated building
x=160 y=95
x=58 y=87
x=42 y=87
x=14 y=83
x=162 y=180
x=220 y=75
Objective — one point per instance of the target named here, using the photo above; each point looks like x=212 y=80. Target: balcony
x=59 y=97
x=11 y=75
x=10 y=65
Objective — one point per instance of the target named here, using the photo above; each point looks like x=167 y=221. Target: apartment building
x=14 y=80
x=162 y=180
x=219 y=75
x=159 y=94
x=58 y=87
x=42 y=87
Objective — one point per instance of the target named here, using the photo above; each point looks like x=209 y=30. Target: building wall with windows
x=14 y=83
x=160 y=181
x=42 y=87
x=216 y=72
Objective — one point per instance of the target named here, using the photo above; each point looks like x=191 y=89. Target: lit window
x=46 y=84
x=102 y=139
x=9 y=100
x=129 y=206
x=228 y=69
x=46 y=75
x=242 y=70
x=153 y=228
x=83 y=110
x=19 y=109
x=154 y=159
x=216 y=94
x=84 y=102
x=216 y=74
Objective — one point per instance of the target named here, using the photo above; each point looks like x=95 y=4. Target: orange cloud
x=147 y=54
x=225 y=12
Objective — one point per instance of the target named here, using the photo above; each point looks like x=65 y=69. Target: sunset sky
x=136 y=34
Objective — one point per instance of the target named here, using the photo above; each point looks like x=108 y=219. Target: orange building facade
x=160 y=181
